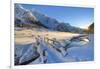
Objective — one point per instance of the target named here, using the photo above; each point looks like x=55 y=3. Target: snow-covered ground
x=75 y=49
x=84 y=53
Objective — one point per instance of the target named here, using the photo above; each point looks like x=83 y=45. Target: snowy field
x=54 y=47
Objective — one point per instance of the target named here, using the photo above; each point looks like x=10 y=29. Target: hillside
x=91 y=28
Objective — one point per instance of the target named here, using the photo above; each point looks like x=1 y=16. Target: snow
x=22 y=13
x=28 y=16
x=70 y=49
x=84 y=53
x=75 y=53
x=45 y=20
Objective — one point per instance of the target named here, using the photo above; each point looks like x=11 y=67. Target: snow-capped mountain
x=45 y=20
x=23 y=16
x=31 y=17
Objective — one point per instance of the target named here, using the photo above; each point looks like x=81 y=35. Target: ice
x=76 y=51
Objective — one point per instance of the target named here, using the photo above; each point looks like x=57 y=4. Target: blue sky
x=76 y=16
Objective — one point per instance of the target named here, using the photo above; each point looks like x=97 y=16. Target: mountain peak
x=30 y=17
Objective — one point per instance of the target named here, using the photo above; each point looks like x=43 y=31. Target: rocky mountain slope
x=33 y=18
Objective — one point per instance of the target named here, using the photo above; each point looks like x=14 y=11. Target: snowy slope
x=32 y=16
x=47 y=21
x=26 y=16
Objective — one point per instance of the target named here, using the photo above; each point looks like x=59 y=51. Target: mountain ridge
x=33 y=17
